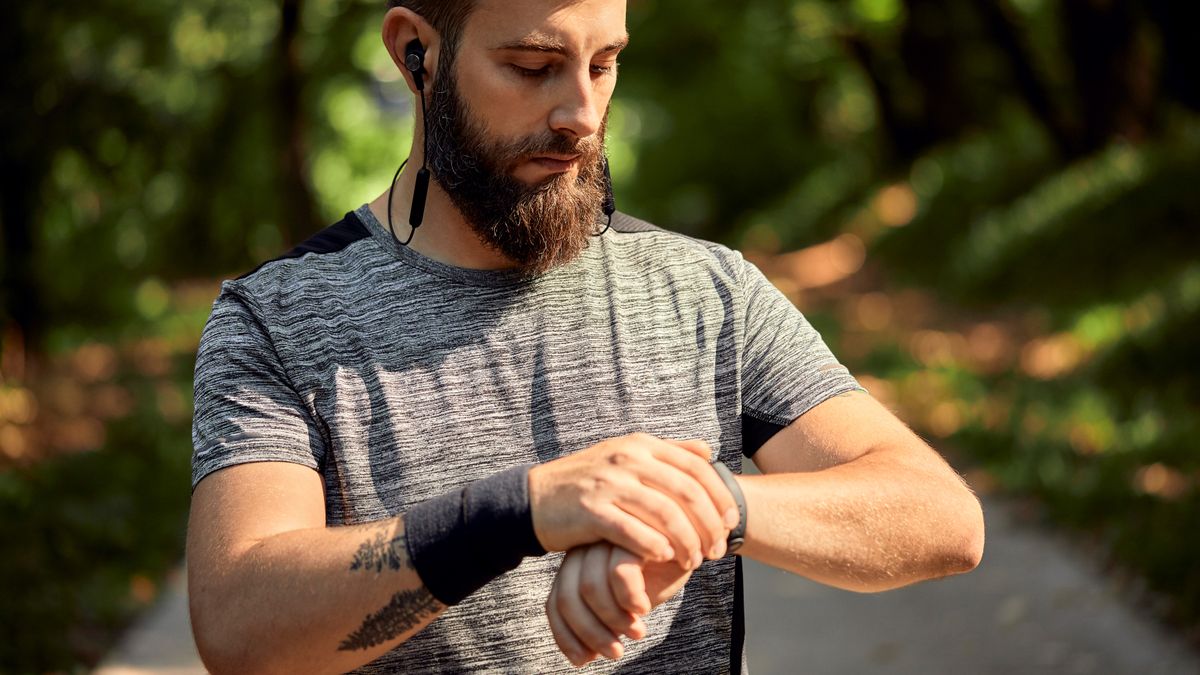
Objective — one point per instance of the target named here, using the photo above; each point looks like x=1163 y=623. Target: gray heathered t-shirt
x=399 y=378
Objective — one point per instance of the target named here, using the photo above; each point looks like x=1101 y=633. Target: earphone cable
x=391 y=190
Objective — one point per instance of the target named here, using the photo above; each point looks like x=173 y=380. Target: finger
x=575 y=613
x=628 y=582
x=703 y=451
x=596 y=593
x=690 y=495
x=697 y=446
x=650 y=502
x=701 y=470
x=627 y=531
x=568 y=644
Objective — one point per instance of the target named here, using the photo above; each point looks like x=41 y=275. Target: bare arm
x=852 y=498
x=274 y=590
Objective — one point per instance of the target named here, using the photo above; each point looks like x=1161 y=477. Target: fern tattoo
x=405 y=611
x=381 y=553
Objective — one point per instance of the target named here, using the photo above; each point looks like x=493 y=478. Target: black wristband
x=463 y=539
x=737 y=536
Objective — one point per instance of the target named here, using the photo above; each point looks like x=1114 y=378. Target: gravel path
x=1033 y=606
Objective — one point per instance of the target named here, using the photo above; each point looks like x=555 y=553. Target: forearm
x=312 y=600
x=883 y=520
x=272 y=591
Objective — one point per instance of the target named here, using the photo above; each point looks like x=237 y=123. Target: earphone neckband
x=414 y=62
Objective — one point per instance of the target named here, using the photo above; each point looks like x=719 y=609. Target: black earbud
x=414 y=61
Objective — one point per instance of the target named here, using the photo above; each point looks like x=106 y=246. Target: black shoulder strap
x=329 y=240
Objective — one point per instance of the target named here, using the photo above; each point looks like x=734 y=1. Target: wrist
x=737 y=536
x=533 y=485
x=463 y=539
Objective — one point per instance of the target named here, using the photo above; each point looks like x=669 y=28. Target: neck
x=444 y=235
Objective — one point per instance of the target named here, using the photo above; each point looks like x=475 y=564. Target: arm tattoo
x=405 y=611
x=380 y=553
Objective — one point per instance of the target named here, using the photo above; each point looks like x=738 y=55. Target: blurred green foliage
x=1019 y=176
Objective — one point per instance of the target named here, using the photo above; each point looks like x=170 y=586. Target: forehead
x=574 y=25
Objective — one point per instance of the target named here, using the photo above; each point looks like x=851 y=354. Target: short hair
x=448 y=17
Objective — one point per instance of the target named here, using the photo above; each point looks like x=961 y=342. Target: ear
x=401 y=26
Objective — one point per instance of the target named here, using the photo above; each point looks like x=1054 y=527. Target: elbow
x=964 y=541
x=221 y=655
x=222 y=645
x=218 y=649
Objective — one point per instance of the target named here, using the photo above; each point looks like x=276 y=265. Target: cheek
x=506 y=108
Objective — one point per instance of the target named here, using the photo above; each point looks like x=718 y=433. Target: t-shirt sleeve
x=786 y=367
x=246 y=409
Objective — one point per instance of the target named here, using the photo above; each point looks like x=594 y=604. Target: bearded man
x=486 y=443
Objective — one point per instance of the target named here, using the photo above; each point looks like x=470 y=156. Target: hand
x=657 y=499
x=600 y=593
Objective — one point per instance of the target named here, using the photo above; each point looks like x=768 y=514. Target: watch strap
x=737 y=536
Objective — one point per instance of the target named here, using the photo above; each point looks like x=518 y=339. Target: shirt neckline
x=459 y=275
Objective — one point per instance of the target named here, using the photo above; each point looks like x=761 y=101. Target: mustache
x=549 y=143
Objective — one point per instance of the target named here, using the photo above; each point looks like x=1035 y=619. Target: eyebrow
x=542 y=43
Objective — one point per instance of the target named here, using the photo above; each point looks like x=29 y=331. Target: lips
x=556 y=162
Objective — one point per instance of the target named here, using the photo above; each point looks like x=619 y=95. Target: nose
x=579 y=109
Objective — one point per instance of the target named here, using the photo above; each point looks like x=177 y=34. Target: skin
x=569 y=97
x=852 y=498
x=272 y=587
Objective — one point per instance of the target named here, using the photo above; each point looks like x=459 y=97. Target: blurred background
x=989 y=208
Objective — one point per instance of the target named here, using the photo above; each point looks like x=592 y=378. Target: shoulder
x=331 y=241
x=654 y=244
x=325 y=264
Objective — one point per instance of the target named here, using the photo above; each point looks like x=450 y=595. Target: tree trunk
x=1177 y=24
x=298 y=208
x=930 y=46
x=1113 y=74
x=22 y=165
x=1006 y=34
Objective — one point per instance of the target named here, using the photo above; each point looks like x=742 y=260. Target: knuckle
x=619 y=528
x=562 y=604
x=596 y=491
x=662 y=512
x=609 y=616
x=699 y=465
x=618 y=457
x=687 y=534
x=623 y=580
x=626 y=532
x=692 y=495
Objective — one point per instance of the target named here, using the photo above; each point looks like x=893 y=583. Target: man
x=389 y=438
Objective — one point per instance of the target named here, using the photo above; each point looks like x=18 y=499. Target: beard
x=538 y=226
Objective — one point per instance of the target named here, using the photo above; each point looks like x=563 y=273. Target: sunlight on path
x=161 y=641
x=1033 y=606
